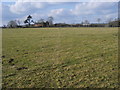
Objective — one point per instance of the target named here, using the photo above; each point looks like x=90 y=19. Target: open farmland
x=60 y=57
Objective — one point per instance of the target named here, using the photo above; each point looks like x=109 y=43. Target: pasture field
x=60 y=57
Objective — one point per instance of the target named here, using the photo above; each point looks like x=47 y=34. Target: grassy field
x=60 y=57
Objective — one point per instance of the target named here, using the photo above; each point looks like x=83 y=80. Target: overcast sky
x=63 y=12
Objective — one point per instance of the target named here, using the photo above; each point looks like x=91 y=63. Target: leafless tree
x=50 y=20
x=12 y=24
x=109 y=20
x=86 y=22
x=98 y=20
x=41 y=21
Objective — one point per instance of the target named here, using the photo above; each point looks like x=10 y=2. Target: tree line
x=29 y=22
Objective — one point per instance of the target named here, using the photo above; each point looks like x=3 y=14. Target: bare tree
x=99 y=20
x=19 y=22
x=12 y=24
x=86 y=22
x=4 y=26
x=50 y=20
x=109 y=20
x=41 y=21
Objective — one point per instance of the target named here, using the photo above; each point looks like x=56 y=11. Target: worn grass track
x=60 y=57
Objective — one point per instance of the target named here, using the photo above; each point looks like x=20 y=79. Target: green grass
x=60 y=57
